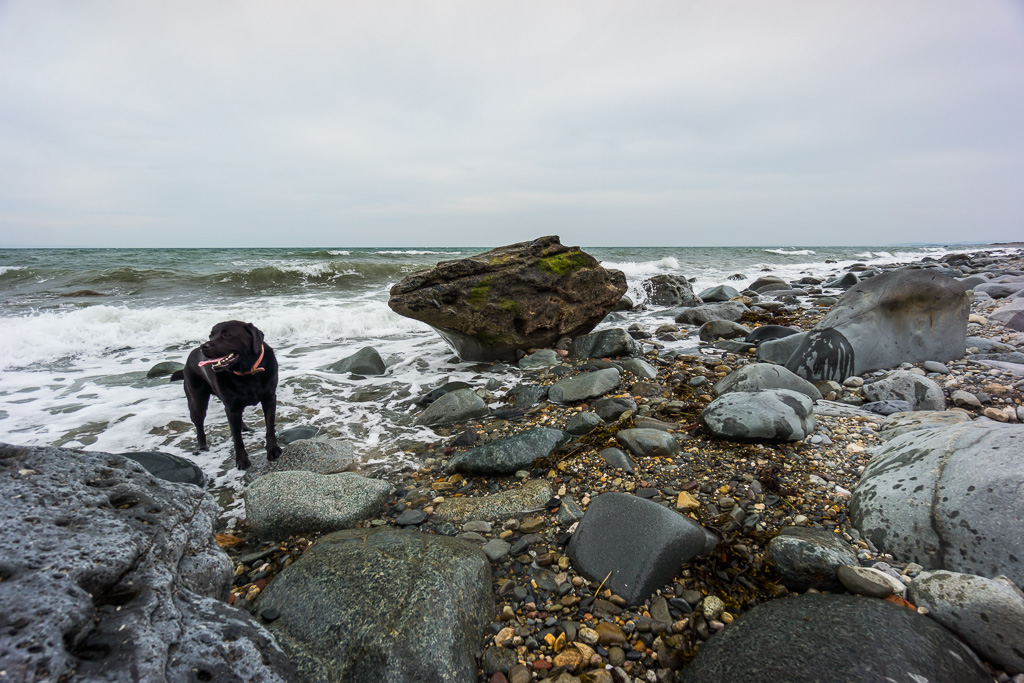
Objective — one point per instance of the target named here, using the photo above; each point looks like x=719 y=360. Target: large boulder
x=765 y=415
x=670 y=290
x=948 y=498
x=612 y=343
x=365 y=361
x=817 y=637
x=584 y=385
x=107 y=573
x=896 y=317
x=369 y=605
x=455 y=406
x=635 y=543
x=757 y=376
x=698 y=315
x=515 y=297
x=988 y=614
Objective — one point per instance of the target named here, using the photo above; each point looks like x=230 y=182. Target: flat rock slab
x=640 y=542
x=698 y=315
x=948 y=498
x=320 y=455
x=517 y=502
x=806 y=557
x=901 y=423
x=371 y=605
x=766 y=415
x=815 y=637
x=584 y=385
x=111 y=574
x=294 y=503
x=988 y=614
x=511 y=454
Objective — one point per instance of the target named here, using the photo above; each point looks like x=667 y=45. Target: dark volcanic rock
x=363 y=606
x=948 y=498
x=821 y=355
x=365 y=361
x=515 y=297
x=510 y=454
x=670 y=290
x=108 y=574
x=606 y=343
x=640 y=542
x=814 y=637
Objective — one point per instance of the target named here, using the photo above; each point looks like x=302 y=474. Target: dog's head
x=232 y=344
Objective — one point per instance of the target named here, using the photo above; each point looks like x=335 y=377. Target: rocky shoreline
x=513 y=580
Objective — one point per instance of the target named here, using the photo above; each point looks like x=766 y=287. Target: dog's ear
x=257 y=338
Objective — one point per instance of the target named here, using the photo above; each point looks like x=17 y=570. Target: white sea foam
x=415 y=252
x=8 y=269
x=339 y=252
x=791 y=252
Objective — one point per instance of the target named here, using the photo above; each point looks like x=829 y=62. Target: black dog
x=242 y=371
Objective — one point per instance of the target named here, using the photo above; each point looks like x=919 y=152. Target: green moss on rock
x=564 y=263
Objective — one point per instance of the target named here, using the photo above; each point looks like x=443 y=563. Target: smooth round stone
x=868 y=582
x=411 y=517
x=496 y=549
x=477 y=525
x=934 y=366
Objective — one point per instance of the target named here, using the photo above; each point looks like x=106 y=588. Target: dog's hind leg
x=198 y=396
x=235 y=423
x=270 y=415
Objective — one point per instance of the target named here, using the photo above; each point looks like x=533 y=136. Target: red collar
x=255 y=366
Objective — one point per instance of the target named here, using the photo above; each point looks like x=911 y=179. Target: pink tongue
x=212 y=361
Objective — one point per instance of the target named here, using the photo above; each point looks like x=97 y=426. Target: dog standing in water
x=241 y=370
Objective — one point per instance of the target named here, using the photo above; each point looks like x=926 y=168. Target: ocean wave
x=644 y=269
x=10 y=269
x=791 y=252
x=415 y=252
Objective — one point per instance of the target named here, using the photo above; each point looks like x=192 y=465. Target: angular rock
x=780 y=350
x=639 y=367
x=806 y=557
x=718 y=293
x=434 y=394
x=821 y=355
x=455 y=406
x=758 y=376
x=765 y=282
x=167 y=367
x=648 y=442
x=902 y=385
x=611 y=343
x=766 y=415
x=544 y=358
x=295 y=503
x=815 y=637
x=888 y=407
x=169 y=467
x=584 y=385
x=670 y=290
x=899 y=316
x=109 y=574
x=582 y=423
x=498 y=507
x=611 y=408
x=988 y=614
x=617 y=458
x=947 y=498
x=770 y=332
x=640 y=542
x=698 y=315
x=363 y=362
x=508 y=455
x=371 y=605
x=721 y=329
x=521 y=296
x=526 y=396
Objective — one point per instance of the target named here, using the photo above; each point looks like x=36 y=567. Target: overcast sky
x=483 y=122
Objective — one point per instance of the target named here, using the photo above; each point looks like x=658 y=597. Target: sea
x=81 y=328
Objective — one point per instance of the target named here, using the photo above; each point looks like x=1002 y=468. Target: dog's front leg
x=235 y=422
x=269 y=415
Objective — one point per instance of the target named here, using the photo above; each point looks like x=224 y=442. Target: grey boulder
x=721 y=329
x=294 y=503
x=816 y=637
x=455 y=406
x=988 y=614
x=544 y=358
x=766 y=415
x=508 y=455
x=670 y=290
x=902 y=385
x=364 y=606
x=648 y=442
x=638 y=542
x=612 y=408
x=698 y=315
x=757 y=376
x=718 y=293
x=109 y=574
x=611 y=343
x=363 y=362
x=584 y=385
x=779 y=350
x=583 y=423
x=320 y=455
x=169 y=467
x=947 y=498
x=497 y=507
x=805 y=557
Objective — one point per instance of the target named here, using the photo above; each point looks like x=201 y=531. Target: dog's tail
x=177 y=375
